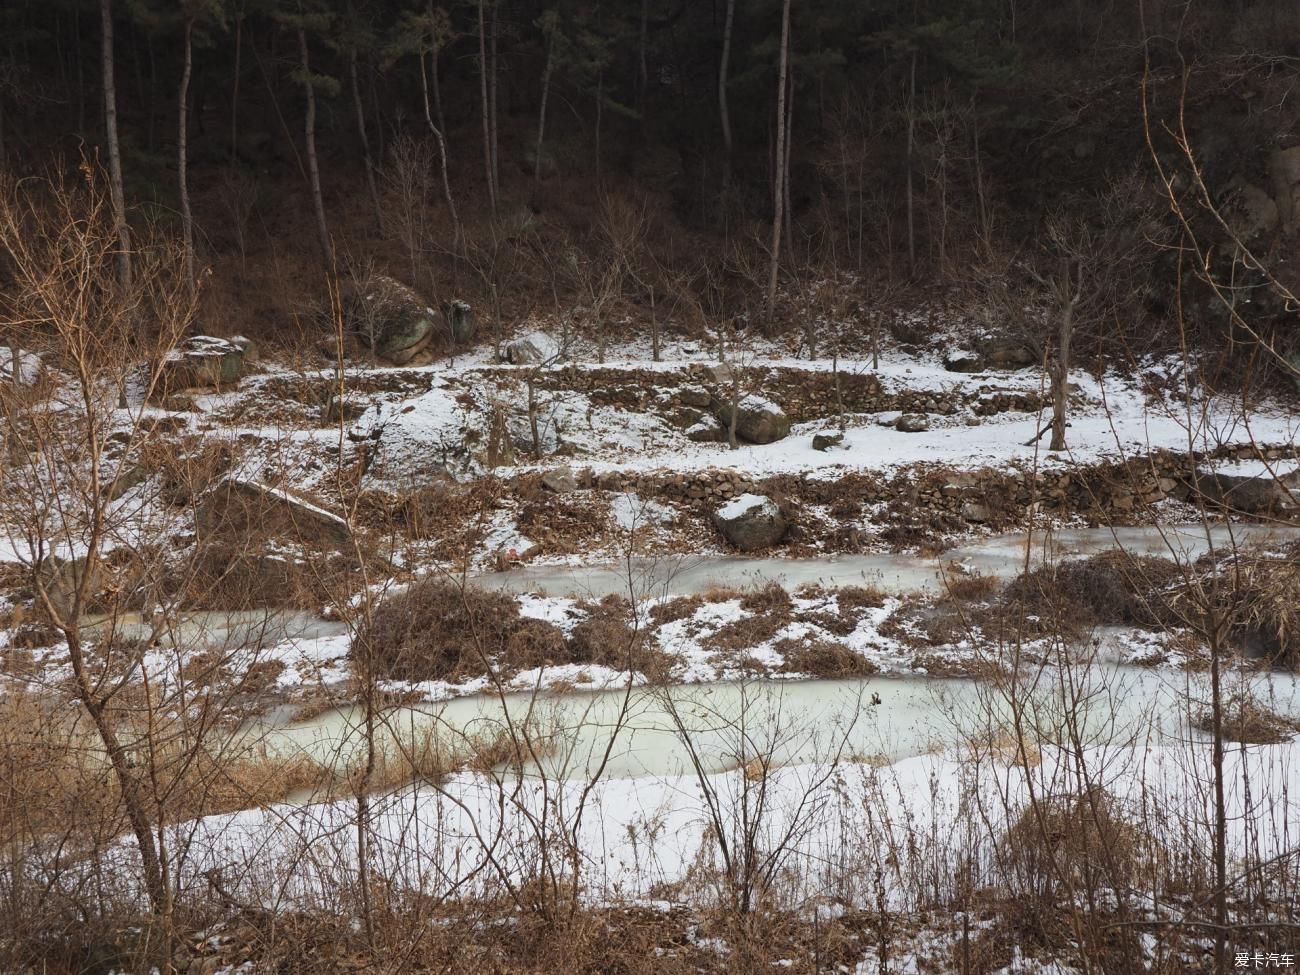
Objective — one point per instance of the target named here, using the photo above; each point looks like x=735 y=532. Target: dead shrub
x=823 y=658
x=1076 y=841
x=859 y=597
x=437 y=629
x=605 y=636
x=1114 y=588
x=969 y=587
x=535 y=643
x=1246 y=720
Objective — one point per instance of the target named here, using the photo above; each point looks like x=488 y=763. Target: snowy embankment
x=639 y=838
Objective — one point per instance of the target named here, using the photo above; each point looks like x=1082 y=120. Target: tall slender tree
x=782 y=165
x=117 y=195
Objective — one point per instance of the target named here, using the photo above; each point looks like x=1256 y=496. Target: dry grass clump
x=1246 y=720
x=606 y=635
x=1081 y=840
x=969 y=587
x=770 y=598
x=225 y=575
x=677 y=608
x=1114 y=588
x=535 y=643
x=823 y=658
x=438 y=629
x=564 y=524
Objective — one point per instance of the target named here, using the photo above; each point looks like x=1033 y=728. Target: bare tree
x=114 y=149
x=782 y=158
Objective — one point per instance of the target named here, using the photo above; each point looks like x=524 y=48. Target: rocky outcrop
x=825 y=441
x=203 y=362
x=392 y=320
x=750 y=522
x=758 y=420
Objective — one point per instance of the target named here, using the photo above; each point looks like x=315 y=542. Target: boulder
x=758 y=420
x=201 y=362
x=1256 y=494
x=460 y=321
x=560 y=481
x=963 y=360
x=533 y=349
x=912 y=423
x=706 y=430
x=1006 y=352
x=696 y=396
x=825 y=441
x=750 y=522
x=1284 y=168
x=392 y=320
x=975 y=512
x=1251 y=213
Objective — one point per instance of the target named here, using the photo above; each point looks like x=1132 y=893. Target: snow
x=739 y=506
x=29 y=366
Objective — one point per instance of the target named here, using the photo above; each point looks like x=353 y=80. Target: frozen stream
x=664 y=731
x=653 y=731
x=1001 y=556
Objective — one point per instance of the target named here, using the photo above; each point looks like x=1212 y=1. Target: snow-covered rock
x=758 y=420
x=912 y=423
x=533 y=349
x=392 y=319
x=203 y=362
x=963 y=360
x=560 y=481
x=751 y=521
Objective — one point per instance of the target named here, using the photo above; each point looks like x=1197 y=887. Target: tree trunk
x=492 y=92
x=778 y=189
x=642 y=72
x=367 y=159
x=1061 y=372
x=234 y=88
x=911 y=151
x=182 y=154
x=723 y=112
x=485 y=104
x=442 y=153
x=116 y=194
x=541 y=112
x=313 y=166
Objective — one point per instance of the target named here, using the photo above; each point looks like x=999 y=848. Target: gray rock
x=912 y=423
x=963 y=360
x=390 y=318
x=696 y=396
x=1252 y=494
x=460 y=321
x=560 y=481
x=533 y=349
x=1251 y=213
x=706 y=430
x=1006 y=352
x=976 y=512
x=201 y=362
x=825 y=441
x=751 y=522
x=758 y=420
